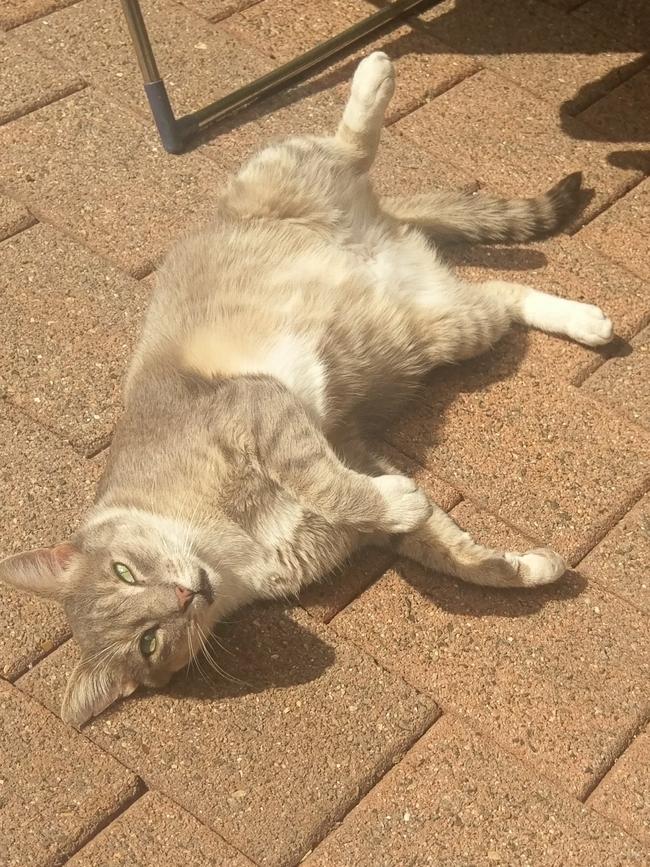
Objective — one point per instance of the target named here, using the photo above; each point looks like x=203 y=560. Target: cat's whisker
x=190 y=644
x=102 y=652
x=104 y=663
x=212 y=661
x=221 y=646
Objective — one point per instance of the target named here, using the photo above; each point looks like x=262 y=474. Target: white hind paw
x=587 y=324
x=540 y=566
x=406 y=506
x=374 y=82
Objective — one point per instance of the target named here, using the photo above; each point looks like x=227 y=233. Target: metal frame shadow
x=176 y=133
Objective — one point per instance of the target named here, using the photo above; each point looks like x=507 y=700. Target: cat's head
x=140 y=596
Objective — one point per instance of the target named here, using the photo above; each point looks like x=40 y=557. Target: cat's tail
x=454 y=217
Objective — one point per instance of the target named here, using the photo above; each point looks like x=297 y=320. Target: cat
x=278 y=342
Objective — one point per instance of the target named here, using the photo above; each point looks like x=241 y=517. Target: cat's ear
x=90 y=691
x=42 y=571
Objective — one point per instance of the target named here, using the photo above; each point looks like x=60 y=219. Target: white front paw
x=539 y=566
x=587 y=324
x=406 y=506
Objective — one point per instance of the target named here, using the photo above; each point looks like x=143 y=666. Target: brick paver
x=325 y=599
x=503 y=135
x=624 y=383
x=457 y=799
x=620 y=562
x=73 y=320
x=319 y=735
x=616 y=116
x=44 y=486
x=400 y=171
x=119 y=181
x=517 y=444
x=285 y=29
x=16 y=12
x=558 y=676
x=28 y=80
x=424 y=65
x=217 y=9
x=199 y=62
x=627 y=20
x=623 y=794
x=14 y=217
x=156 y=831
x=56 y=789
x=622 y=231
x=308 y=709
x=534 y=45
x=563 y=4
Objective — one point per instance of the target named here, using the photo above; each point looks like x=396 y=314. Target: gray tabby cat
x=276 y=343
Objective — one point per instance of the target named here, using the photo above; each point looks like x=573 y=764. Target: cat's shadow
x=469 y=600
x=266 y=647
x=270 y=648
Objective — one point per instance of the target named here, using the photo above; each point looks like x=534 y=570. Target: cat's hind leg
x=584 y=323
x=363 y=117
x=476 y=315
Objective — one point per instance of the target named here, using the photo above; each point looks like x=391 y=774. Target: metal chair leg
x=175 y=133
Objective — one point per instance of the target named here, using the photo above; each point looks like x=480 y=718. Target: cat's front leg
x=384 y=504
x=294 y=452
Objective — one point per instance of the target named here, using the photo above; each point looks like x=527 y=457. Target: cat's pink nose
x=184 y=597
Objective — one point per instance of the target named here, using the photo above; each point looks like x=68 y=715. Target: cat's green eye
x=123 y=573
x=148 y=642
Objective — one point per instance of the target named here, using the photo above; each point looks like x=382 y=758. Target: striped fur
x=451 y=217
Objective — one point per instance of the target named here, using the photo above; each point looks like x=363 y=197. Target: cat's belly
x=290 y=358
x=409 y=271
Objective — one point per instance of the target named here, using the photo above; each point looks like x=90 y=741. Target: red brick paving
x=624 y=382
x=332 y=742
x=202 y=62
x=16 y=12
x=622 y=231
x=29 y=81
x=623 y=796
x=44 y=487
x=311 y=709
x=517 y=445
x=558 y=677
x=512 y=156
x=14 y=217
x=627 y=20
x=57 y=788
x=155 y=830
x=558 y=59
x=458 y=799
x=620 y=562
x=62 y=299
